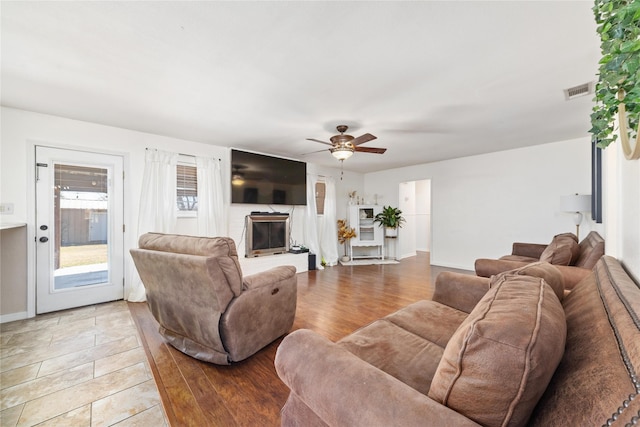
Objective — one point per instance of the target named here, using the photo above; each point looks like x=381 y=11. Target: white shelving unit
x=369 y=240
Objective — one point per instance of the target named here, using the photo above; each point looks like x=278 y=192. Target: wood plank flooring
x=333 y=302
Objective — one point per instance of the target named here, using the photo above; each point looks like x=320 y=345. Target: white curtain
x=157 y=205
x=211 y=211
x=329 y=230
x=311 y=221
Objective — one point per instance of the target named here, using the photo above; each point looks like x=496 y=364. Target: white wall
x=22 y=130
x=621 y=195
x=423 y=215
x=630 y=216
x=481 y=204
x=414 y=200
x=406 y=244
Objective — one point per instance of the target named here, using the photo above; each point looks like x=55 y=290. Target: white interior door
x=79 y=221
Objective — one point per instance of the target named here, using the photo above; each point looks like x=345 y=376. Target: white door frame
x=412 y=222
x=31 y=212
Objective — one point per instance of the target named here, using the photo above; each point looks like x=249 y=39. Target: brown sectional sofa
x=512 y=350
x=578 y=264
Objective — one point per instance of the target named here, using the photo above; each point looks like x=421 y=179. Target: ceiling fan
x=343 y=146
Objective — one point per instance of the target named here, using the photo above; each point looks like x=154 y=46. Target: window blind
x=187 y=187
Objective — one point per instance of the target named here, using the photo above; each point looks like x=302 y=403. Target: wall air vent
x=580 y=90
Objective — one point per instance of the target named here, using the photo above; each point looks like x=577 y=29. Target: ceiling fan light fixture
x=342 y=153
x=237 y=179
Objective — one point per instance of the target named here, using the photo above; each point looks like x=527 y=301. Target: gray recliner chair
x=205 y=308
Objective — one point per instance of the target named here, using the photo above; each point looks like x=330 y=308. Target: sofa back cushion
x=562 y=250
x=223 y=249
x=542 y=270
x=498 y=363
x=597 y=383
x=591 y=250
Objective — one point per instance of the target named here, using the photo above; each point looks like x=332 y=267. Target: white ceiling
x=432 y=80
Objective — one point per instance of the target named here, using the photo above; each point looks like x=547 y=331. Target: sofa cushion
x=502 y=357
x=419 y=319
x=542 y=270
x=561 y=251
x=401 y=354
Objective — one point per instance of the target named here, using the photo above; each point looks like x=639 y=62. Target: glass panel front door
x=81 y=212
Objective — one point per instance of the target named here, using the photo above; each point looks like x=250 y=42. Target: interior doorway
x=414 y=200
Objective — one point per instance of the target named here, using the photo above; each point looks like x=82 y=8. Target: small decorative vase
x=344 y=258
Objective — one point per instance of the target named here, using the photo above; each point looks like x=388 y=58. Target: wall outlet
x=6 y=208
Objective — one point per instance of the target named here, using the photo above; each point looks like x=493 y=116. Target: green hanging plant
x=619 y=74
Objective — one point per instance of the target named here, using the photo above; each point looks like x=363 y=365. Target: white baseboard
x=407 y=255
x=12 y=317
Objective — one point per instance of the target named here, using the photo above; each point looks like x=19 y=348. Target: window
x=320 y=193
x=187 y=187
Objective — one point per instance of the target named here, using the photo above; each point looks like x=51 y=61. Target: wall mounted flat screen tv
x=265 y=180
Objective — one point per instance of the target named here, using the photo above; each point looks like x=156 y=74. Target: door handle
x=44 y=239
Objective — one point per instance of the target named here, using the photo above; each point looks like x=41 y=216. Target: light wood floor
x=333 y=302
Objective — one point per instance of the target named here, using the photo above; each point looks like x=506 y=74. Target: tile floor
x=80 y=367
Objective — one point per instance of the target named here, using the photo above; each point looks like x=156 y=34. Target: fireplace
x=267 y=234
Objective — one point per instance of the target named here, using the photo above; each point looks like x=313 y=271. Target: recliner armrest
x=489 y=267
x=264 y=310
x=266 y=278
x=532 y=250
x=460 y=291
x=344 y=390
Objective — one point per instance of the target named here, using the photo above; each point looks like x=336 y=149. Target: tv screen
x=265 y=180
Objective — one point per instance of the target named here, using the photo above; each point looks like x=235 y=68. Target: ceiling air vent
x=580 y=90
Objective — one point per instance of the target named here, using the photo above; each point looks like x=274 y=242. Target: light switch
x=6 y=208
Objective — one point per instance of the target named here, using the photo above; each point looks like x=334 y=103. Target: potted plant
x=391 y=219
x=345 y=233
x=617 y=90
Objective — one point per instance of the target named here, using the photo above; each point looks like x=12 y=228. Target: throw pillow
x=498 y=363
x=569 y=235
x=542 y=270
x=561 y=251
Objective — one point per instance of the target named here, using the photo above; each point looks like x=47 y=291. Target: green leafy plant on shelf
x=389 y=217
x=619 y=73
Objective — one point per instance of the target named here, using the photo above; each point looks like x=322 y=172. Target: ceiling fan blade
x=321 y=142
x=314 y=152
x=363 y=138
x=370 y=150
